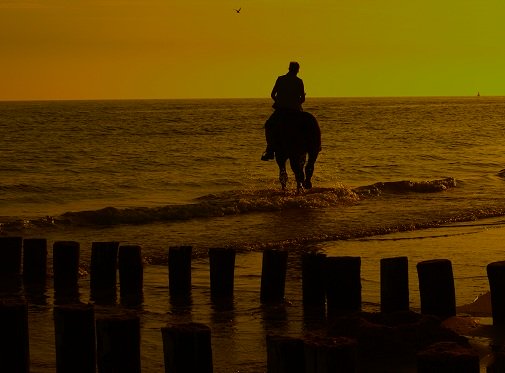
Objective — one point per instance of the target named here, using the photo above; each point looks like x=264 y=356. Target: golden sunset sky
x=107 y=49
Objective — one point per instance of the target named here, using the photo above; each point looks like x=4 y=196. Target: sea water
x=416 y=177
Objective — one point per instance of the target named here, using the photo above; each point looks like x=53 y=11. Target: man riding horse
x=292 y=133
x=288 y=95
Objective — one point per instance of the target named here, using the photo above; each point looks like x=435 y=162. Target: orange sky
x=90 y=49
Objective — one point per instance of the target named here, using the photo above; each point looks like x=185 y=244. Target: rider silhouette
x=288 y=95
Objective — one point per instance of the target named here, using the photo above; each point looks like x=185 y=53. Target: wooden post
x=496 y=278
x=394 y=277
x=103 y=270
x=118 y=343
x=273 y=276
x=285 y=355
x=187 y=348
x=436 y=288
x=131 y=275
x=313 y=287
x=66 y=269
x=74 y=329
x=497 y=363
x=35 y=270
x=35 y=260
x=222 y=273
x=448 y=357
x=10 y=251
x=14 y=349
x=331 y=355
x=10 y=264
x=343 y=285
x=179 y=271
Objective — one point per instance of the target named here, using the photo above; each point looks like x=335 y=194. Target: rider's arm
x=274 y=90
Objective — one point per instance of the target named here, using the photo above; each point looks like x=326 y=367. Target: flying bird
x=238 y=10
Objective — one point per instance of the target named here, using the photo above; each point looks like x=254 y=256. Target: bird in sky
x=238 y=10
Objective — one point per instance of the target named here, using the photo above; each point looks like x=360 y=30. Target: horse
x=297 y=135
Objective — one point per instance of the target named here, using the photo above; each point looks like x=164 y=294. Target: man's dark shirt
x=289 y=92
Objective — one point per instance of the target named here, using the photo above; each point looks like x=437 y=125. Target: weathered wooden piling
x=496 y=278
x=74 y=329
x=436 y=288
x=10 y=264
x=343 y=285
x=103 y=271
x=35 y=270
x=14 y=345
x=10 y=251
x=448 y=357
x=35 y=260
x=273 y=275
x=222 y=273
x=179 y=271
x=394 y=280
x=313 y=284
x=331 y=355
x=497 y=363
x=187 y=348
x=66 y=269
x=285 y=354
x=118 y=343
x=131 y=275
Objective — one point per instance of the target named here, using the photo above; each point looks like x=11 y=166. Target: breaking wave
x=216 y=205
x=432 y=186
x=232 y=203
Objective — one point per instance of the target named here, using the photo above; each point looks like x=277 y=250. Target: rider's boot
x=268 y=154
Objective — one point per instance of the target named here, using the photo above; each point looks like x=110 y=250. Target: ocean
x=415 y=177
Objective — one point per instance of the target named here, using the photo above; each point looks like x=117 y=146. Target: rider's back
x=289 y=92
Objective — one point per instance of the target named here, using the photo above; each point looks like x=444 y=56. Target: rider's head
x=294 y=67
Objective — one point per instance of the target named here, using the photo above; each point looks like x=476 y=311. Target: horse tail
x=313 y=134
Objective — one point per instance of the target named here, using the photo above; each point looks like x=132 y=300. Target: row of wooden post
x=335 y=282
x=107 y=258
x=110 y=343
x=331 y=281
x=340 y=354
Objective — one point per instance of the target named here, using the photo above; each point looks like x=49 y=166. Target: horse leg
x=283 y=174
x=297 y=167
x=309 y=170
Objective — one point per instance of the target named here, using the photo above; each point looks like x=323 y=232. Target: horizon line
x=234 y=98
